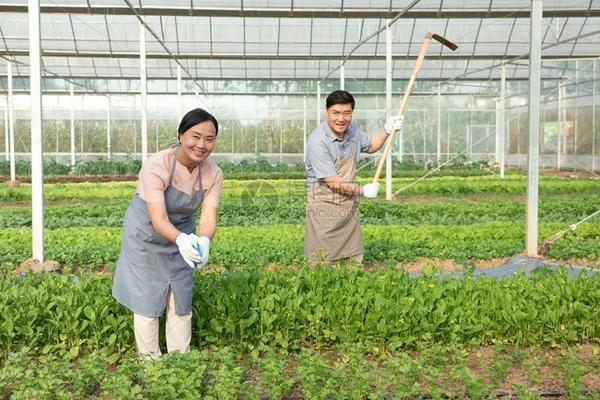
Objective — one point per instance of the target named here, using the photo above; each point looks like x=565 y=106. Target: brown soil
x=421 y=264
x=479 y=362
x=420 y=199
x=544 y=373
x=76 y=179
x=569 y=174
x=438 y=265
x=32 y=265
x=516 y=376
x=482 y=197
x=588 y=352
x=14 y=183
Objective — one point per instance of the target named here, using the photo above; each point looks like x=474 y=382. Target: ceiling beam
x=206 y=56
x=384 y=13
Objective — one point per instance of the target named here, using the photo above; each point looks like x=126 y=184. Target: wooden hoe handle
x=390 y=140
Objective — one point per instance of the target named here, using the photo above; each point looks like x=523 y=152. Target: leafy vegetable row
x=291 y=210
x=283 y=244
x=447 y=186
x=326 y=306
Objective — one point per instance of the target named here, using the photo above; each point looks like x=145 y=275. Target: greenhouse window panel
x=267 y=3
x=267 y=49
x=263 y=29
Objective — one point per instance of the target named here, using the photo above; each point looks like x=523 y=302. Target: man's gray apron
x=332 y=220
x=149 y=264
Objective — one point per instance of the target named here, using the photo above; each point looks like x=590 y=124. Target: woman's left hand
x=204 y=249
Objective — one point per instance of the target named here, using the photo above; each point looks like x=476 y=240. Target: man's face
x=339 y=117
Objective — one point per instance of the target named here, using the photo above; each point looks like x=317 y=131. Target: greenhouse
x=453 y=251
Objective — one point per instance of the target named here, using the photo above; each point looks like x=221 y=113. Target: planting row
x=269 y=210
x=283 y=244
x=446 y=186
x=251 y=168
x=347 y=374
x=288 y=307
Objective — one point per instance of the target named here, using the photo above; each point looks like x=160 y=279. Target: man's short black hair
x=339 y=97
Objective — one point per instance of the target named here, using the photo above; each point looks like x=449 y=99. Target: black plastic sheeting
x=526 y=265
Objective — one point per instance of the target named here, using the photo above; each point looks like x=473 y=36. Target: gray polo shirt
x=324 y=149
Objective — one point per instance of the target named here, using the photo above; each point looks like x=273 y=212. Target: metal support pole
x=594 y=118
x=400 y=144
x=256 y=140
x=232 y=142
x=559 y=139
x=304 y=128
x=72 y=125
x=448 y=135
x=56 y=159
x=318 y=103
x=564 y=148
x=6 y=141
x=470 y=130
x=502 y=122
x=575 y=127
x=388 y=105
x=179 y=97
x=497 y=135
x=108 y=144
x=280 y=139
x=535 y=68
x=467 y=127
x=518 y=136
x=11 y=121
x=143 y=93
x=426 y=156
x=81 y=130
x=37 y=158
x=342 y=75
x=439 y=123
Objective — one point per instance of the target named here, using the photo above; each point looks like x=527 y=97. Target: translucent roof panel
x=228 y=36
x=123 y=32
x=299 y=39
x=266 y=3
x=262 y=35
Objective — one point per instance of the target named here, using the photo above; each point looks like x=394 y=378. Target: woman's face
x=197 y=143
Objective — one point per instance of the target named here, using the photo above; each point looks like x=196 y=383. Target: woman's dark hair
x=195 y=117
x=339 y=97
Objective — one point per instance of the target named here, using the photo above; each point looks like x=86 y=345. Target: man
x=332 y=150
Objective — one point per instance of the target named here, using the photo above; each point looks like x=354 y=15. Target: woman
x=159 y=250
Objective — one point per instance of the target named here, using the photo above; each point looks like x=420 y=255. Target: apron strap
x=200 y=179
x=173 y=166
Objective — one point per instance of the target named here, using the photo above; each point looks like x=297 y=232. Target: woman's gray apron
x=332 y=220
x=149 y=264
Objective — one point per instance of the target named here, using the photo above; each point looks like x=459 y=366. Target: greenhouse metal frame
x=515 y=59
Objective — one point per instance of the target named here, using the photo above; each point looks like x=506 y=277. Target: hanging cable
x=143 y=22
x=545 y=247
x=377 y=32
x=439 y=167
